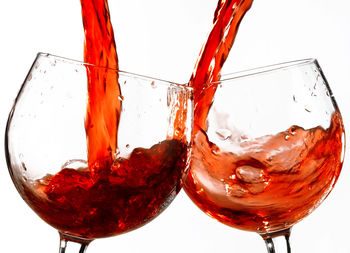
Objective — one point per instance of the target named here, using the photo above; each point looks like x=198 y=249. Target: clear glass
x=270 y=151
x=46 y=150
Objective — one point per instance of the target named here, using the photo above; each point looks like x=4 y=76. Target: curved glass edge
x=269 y=68
x=265 y=69
x=124 y=73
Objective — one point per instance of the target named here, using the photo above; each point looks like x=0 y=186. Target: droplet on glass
x=153 y=84
x=24 y=166
x=75 y=164
x=292 y=130
x=224 y=134
x=243 y=137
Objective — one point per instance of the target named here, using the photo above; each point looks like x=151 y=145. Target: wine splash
x=104 y=196
x=227 y=18
x=133 y=192
x=104 y=106
x=110 y=195
x=260 y=188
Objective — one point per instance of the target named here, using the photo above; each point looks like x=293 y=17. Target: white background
x=162 y=39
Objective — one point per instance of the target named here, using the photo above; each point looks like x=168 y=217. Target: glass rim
x=224 y=77
x=264 y=69
x=124 y=73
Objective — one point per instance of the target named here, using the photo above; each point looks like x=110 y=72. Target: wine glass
x=270 y=150
x=81 y=193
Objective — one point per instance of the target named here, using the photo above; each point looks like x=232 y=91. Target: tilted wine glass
x=270 y=150
x=46 y=148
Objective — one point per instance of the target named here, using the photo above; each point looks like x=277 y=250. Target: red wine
x=228 y=16
x=104 y=105
x=261 y=189
x=128 y=195
x=108 y=195
x=273 y=183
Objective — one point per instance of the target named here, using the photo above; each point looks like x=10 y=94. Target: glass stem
x=277 y=242
x=72 y=245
